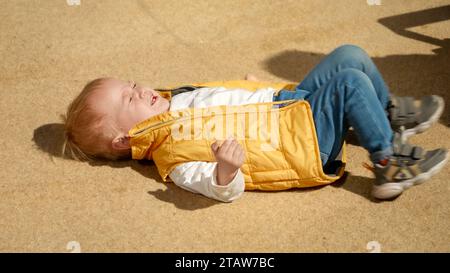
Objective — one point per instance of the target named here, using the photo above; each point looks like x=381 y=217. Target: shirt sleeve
x=200 y=177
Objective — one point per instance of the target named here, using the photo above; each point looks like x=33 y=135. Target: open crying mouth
x=154 y=98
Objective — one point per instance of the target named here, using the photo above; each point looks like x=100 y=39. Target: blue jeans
x=346 y=90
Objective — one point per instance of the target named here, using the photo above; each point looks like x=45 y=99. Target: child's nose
x=142 y=94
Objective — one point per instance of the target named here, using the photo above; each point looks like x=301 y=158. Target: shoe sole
x=427 y=124
x=391 y=190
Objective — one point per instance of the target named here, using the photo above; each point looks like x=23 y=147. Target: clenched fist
x=230 y=156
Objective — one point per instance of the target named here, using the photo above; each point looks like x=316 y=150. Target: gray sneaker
x=415 y=115
x=409 y=166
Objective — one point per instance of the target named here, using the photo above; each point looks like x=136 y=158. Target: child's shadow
x=181 y=198
x=49 y=138
x=359 y=185
x=173 y=194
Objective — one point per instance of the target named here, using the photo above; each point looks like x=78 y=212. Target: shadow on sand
x=406 y=75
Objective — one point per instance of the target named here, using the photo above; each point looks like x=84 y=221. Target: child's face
x=125 y=104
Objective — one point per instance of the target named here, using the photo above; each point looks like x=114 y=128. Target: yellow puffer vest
x=280 y=143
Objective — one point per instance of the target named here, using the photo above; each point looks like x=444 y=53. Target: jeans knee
x=352 y=75
x=351 y=56
x=352 y=50
x=356 y=79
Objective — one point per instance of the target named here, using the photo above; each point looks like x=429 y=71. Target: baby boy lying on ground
x=115 y=119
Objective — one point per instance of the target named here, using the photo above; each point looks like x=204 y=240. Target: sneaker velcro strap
x=402 y=110
x=410 y=108
x=405 y=150
x=417 y=153
x=393 y=108
x=405 y=107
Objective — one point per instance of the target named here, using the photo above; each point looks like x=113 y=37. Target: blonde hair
x=86 y=136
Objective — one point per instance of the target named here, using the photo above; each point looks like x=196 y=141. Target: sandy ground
x=50 y=49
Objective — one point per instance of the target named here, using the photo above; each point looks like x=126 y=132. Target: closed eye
x=133 y=84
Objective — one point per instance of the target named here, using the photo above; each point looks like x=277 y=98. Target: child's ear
x=121 y=142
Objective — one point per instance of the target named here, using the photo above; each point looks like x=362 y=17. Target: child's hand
x=230 y=156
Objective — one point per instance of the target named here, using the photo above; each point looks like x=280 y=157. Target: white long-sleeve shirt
x=199 y=176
